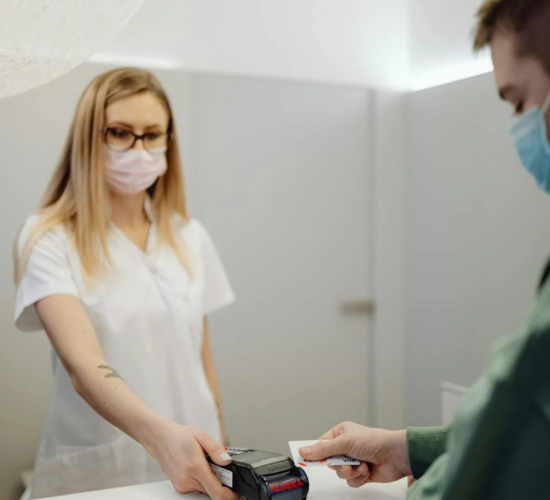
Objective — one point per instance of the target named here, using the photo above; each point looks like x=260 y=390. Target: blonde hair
x=529 y=19
x=77 y=195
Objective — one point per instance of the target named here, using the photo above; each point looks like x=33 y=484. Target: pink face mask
x=135 y=170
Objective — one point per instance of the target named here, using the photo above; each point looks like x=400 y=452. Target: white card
x=301 y=462
x=225 y=476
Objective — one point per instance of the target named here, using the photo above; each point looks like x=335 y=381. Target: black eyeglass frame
x=106 y=130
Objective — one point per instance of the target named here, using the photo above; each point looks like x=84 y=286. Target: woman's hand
x=180 y=451
x=384 y=453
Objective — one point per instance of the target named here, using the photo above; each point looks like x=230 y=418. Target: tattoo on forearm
x=112 y=372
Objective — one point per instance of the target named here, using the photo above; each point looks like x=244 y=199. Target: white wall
x=360 y=42
x=475 y=238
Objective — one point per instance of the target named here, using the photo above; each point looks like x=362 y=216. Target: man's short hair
x=528 y=19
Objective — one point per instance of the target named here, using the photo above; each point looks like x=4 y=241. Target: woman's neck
x=128 y=211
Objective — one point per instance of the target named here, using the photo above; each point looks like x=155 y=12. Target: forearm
x=74 y=340
x=425 y=445
x=106 y=392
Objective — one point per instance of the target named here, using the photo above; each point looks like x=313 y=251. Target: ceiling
x=441 y=39
x=395 y=44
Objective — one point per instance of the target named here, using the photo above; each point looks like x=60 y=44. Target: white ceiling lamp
x=41 y=40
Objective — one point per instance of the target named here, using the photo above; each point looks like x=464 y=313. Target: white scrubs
x=148 y=315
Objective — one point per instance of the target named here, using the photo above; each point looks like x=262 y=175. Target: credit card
x=302 y=462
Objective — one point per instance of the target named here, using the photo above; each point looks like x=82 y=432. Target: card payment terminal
x=261 y=475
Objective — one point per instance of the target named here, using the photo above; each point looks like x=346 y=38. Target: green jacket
x=498 y=447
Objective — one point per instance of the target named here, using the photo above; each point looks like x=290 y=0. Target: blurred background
x=351 y=160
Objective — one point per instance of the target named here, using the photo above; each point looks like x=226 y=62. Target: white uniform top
x=148 y=316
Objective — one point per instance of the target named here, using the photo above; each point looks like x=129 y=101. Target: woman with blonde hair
x=122 y=280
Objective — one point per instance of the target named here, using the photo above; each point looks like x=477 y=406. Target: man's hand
x=384 y=453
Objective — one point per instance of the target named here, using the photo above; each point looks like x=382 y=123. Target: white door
x=278 y=173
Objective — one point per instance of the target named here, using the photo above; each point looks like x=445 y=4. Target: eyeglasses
x=120 y=140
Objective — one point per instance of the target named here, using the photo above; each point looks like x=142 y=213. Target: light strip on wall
x=421 y=80
x=433 y=78
x=140 y=62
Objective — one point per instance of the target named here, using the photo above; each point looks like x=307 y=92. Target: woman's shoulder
x=45 y=227
x=190 y=228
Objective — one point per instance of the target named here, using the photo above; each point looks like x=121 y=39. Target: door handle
x=358 y=306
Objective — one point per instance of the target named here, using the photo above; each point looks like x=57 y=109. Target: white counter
x=324 y=485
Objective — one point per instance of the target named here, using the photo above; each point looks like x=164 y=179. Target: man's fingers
x=363 y=468
x=348 y=472
x=213 y=449
x=359 y=481
x=334 y=432
x=325 y=449
x=330 y=434
x=343 y=472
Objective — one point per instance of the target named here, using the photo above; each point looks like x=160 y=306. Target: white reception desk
x=324 y=485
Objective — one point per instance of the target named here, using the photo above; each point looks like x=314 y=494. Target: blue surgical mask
x=531 y=138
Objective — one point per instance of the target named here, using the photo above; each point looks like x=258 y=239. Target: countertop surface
x=324 y=485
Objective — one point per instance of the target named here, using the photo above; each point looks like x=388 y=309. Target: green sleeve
x=499 y=448
x=425 y=445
